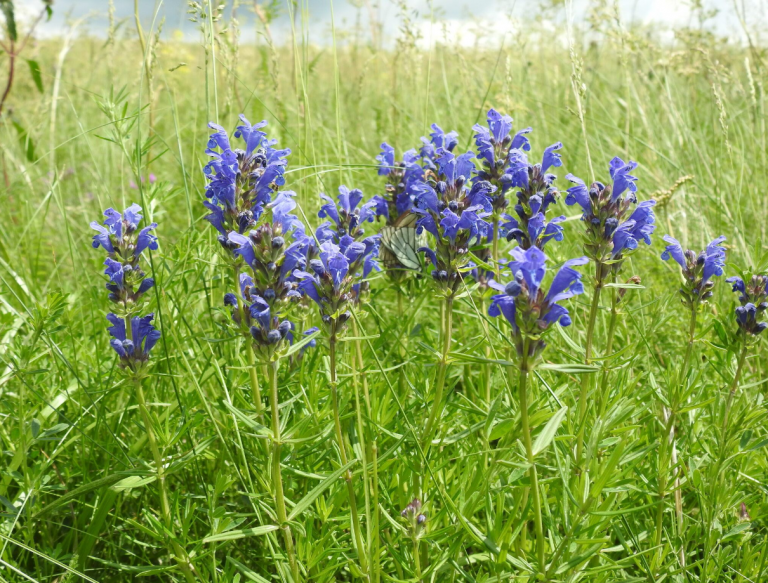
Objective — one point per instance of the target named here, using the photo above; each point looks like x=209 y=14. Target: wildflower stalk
x=445 y=337
x=376 y=552
x=585 y=379
x=416 y=559
x=734 y=387
x=277 y=478
x=179 y=554
x=522 y=392
x=602 y=396
x=357 y=533
x=371 y=481
x=495 y=247
x=361 y=439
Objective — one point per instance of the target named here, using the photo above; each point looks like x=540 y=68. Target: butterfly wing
x=386 y=256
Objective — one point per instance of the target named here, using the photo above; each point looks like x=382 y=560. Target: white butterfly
x=400 y=244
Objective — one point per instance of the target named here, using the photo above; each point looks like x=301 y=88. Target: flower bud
x=273 y=337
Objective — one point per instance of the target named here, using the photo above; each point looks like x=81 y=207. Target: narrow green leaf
x=241 y=533
x=34 y=69
x=249 y=574
x=610 y=466
x=548 y=433
x=569 y=368
x=625 y=285
x=10 y=20
x=304 y=503
x=302 y=343
x=106 y=481
x=26 y=142
x=134 y=482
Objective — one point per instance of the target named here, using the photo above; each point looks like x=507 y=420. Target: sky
x=489 y=15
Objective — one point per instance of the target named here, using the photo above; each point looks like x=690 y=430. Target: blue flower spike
x=527 y=306
x=241 y=182
x=615 y=223
x=753 y=300
x=125 y=243
x=697 y=269
x=453 y=211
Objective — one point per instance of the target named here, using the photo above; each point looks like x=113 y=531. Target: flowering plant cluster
x=241 y=181
x=453 y=213
x=457 y=202
x=257 y=228
x=524 y=303
x=753 y=297
x=347 y=257
x=698 y=269
x=505 y=165
x=614 y=226
x=133 y=336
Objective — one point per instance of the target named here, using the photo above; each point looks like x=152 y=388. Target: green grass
x=74 y=506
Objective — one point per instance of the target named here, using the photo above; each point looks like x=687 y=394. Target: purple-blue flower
x=524 y=303
x=241 y=182
x=124 y=243
x=698 y=269
x=347 y=214
x=622 y=179
x=134 y=351
x=335 y=278
x=614 y=227
x=753 y=297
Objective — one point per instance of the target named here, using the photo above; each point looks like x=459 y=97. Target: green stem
x=179 y=554
x=662 y=479
x=522 y=393
x=602 y=395
x=361 y=440
x=343 y=454
x=689 y=348
x=375 y=487
x=277 y=478
x=372 y=488
x=585 y=379
x=416 y=559
x=734 y=388
x=442 y=367
x=495 y=248
x=255 y=388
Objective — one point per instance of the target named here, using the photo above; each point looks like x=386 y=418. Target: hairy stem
x=585 y=379
x=437 y=403
x=522 y=394
x=357 y=533
x=734 y=388
x=277 y=478
x=602 y=395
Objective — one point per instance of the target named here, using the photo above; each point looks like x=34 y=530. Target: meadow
x=639 y=450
